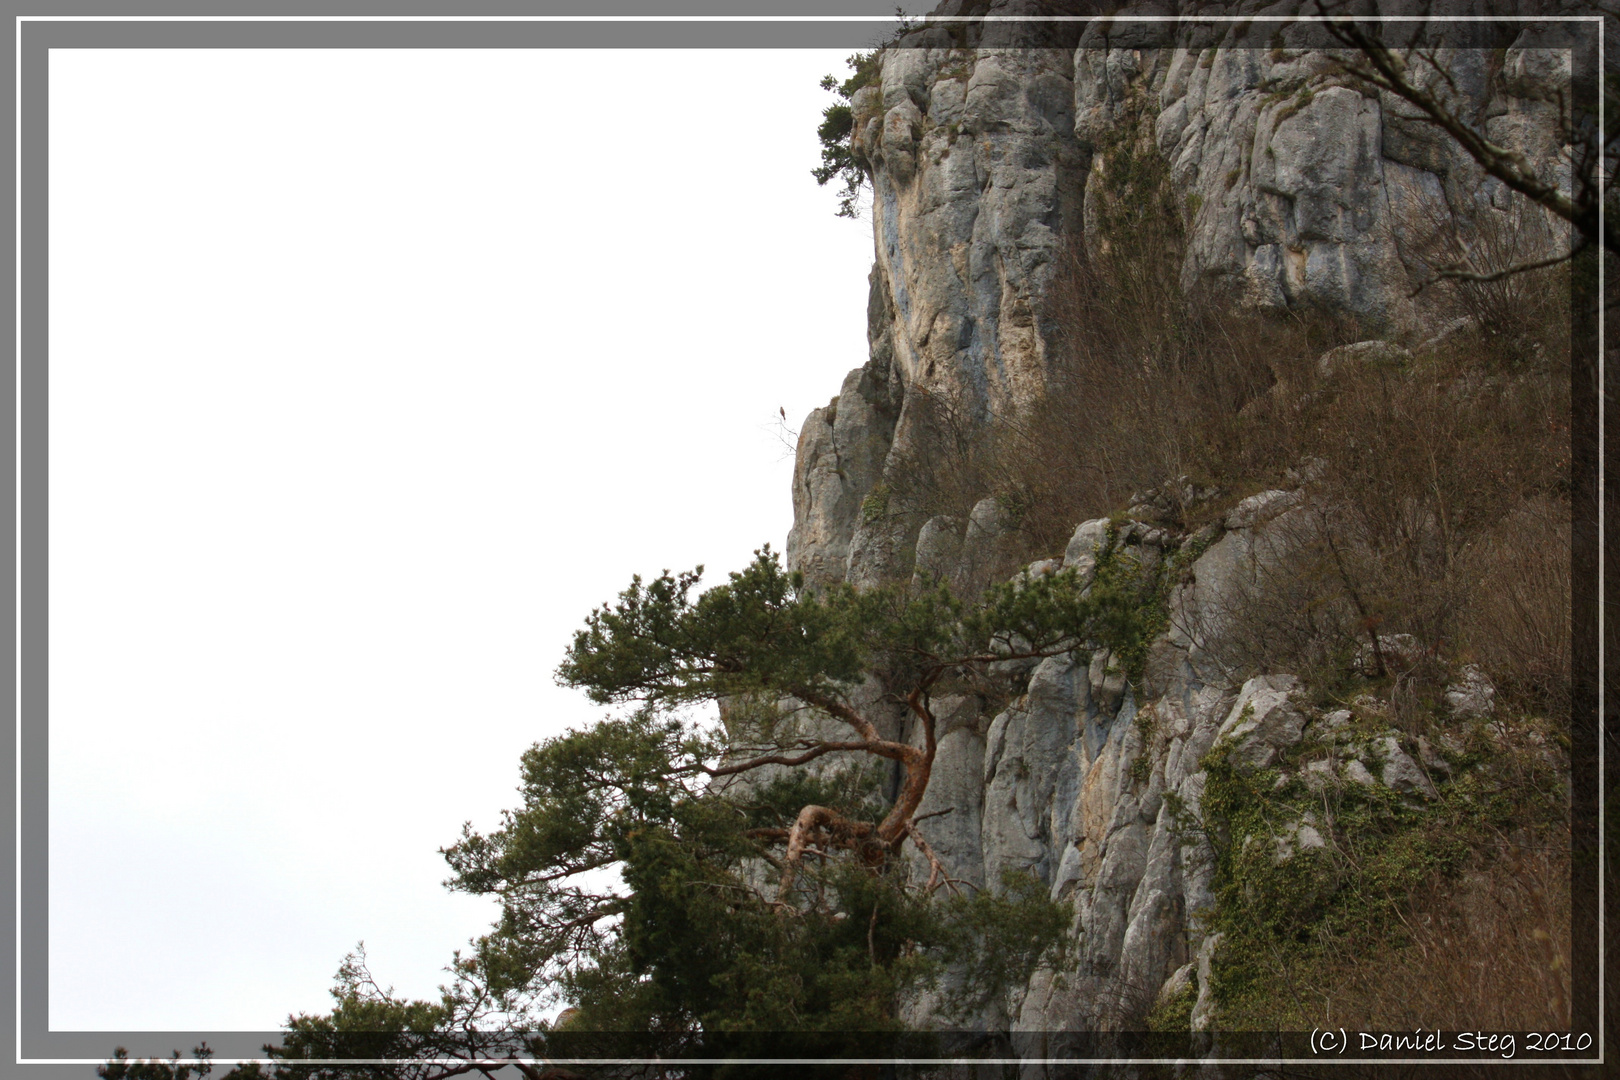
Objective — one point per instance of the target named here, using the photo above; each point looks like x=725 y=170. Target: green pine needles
x=839 y=159
x=768 y=872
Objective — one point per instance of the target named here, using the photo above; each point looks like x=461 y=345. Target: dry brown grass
x=942 y=465
x=1437 y=504
x=1487 y=951
x=1431 y=239
x=1439 y=508
x=1146 y=386
x=1516 y=622
x=1455 y=914
x=1440 y=486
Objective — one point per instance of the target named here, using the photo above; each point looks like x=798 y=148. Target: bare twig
x=1463 y=273
x=1386 y=70
x=937 y=874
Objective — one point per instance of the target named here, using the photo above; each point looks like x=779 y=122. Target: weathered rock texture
x=986 y=160
x=989 y=156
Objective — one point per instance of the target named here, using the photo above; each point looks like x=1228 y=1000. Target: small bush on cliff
x=839 y=160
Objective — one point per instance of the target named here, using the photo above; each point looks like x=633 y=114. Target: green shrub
x=1297 y=929
x=840 y=159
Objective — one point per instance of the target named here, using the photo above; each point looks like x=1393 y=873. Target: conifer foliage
x=692 y=880
x=669 y=874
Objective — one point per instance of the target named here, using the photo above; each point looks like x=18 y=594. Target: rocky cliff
x=989 y=158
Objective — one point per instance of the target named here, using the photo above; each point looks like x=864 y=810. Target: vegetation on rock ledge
x=839 y=160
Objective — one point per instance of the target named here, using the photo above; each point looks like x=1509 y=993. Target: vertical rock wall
x=988 y=152
x=988 y=159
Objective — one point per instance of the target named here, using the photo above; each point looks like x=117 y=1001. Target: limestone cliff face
x=989 y=157
x=989 y=154
x=1299 y=184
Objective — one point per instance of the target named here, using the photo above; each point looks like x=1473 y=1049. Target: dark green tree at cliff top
x=837 y=133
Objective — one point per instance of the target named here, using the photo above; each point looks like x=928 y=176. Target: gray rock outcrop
x=1299 y=188
x=989 y=156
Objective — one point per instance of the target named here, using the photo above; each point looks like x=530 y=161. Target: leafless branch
x=937 y=874
x=814 y=752
x=1386 y=70
x=1463 y=273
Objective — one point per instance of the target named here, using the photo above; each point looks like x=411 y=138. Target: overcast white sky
x=371 y=373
